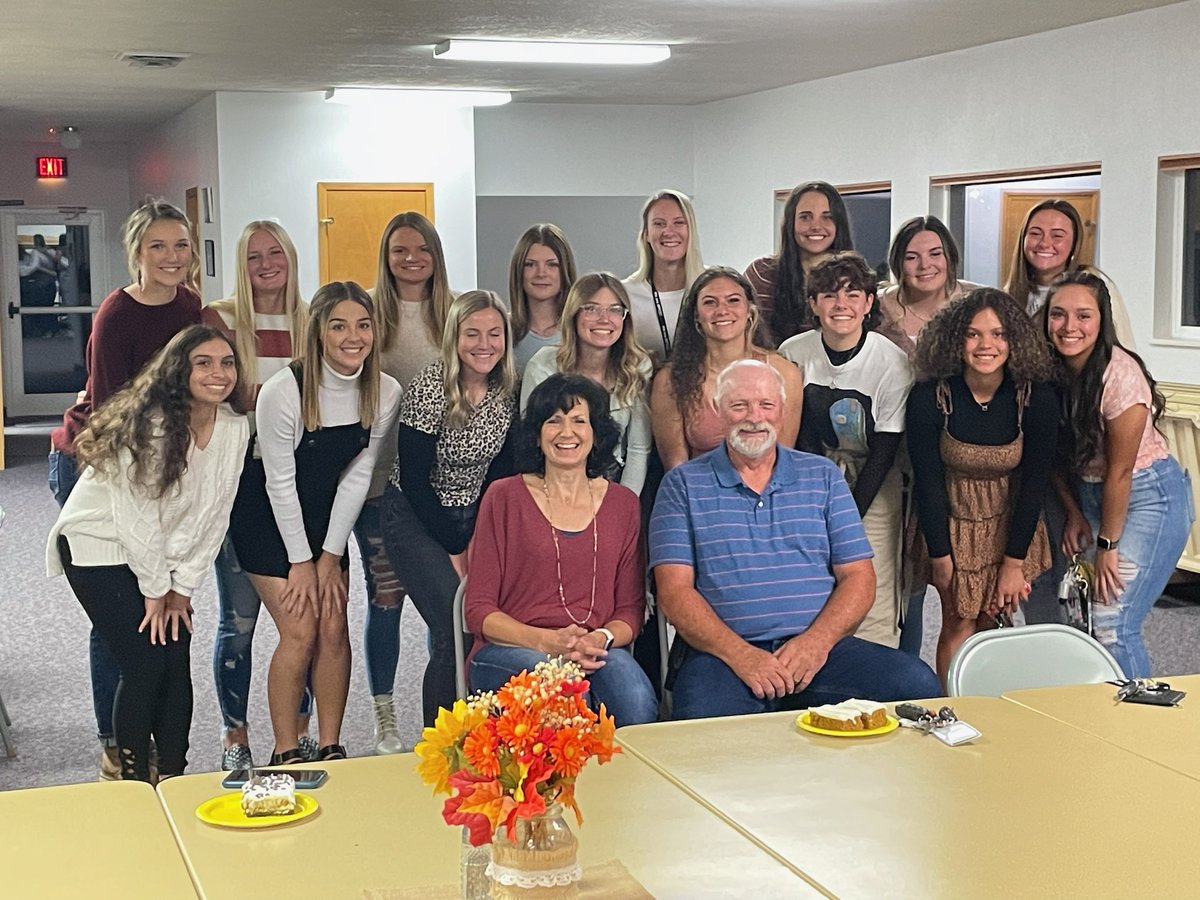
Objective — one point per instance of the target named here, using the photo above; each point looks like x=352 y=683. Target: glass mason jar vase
x=539 y=862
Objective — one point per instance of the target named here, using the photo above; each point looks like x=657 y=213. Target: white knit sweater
x=169 y=542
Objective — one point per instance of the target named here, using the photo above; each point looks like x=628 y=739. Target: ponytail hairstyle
x=154 y=209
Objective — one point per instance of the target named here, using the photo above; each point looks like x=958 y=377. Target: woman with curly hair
x=718 y=320
x=1127 y=489
x=815 y=224
x=598 y=341
x=143 y=526
x=454 y=441
x=540 y=273
x=321 y=422
x=557 y=567
x=982 y=422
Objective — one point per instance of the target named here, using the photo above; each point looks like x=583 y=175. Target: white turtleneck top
x=280 y=428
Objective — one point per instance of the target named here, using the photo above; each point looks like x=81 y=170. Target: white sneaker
x=387 y=736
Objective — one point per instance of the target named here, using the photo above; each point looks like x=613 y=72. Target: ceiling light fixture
x=68 y=136
x=376 y=96
x=552 y=52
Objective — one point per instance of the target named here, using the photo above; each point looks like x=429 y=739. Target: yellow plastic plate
x=226 y=811
x=802 y=723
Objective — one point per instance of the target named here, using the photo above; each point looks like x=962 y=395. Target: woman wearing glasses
x=598 y=342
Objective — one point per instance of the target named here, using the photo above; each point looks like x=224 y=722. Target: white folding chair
x=1009 y=659
x=460 y=652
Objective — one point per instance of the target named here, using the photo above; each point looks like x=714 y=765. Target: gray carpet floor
x=44 y=671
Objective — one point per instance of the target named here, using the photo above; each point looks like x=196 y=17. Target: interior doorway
x=352 y=218
x=53 y=271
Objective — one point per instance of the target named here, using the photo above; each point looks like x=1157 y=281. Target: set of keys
x=916 y=716
x=1147 y=690
x=943 y=724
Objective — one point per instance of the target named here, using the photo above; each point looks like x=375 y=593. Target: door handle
x=13 y=309
x=326 y=220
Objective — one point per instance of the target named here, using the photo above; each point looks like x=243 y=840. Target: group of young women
x=401 y=415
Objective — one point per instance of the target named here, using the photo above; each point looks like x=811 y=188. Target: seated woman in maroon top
x=556 y=563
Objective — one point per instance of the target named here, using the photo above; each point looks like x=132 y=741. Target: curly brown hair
x=690 y=350
x=939 y=351
x=151 y=417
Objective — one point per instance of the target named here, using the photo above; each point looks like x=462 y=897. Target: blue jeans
x=424 y=567
x=705 y=686
x=106 y=673
x=385 y=600
x=1157 y=523
x=239 y=606
x=620 y=684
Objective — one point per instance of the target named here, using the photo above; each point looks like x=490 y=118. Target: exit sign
x=51 y=167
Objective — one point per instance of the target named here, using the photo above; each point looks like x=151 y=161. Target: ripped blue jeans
x=1160 y=515
x=239 y=607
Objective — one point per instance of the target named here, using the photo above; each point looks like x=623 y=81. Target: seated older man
x=763 y=567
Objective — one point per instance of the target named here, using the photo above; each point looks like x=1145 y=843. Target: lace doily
x=530 y=879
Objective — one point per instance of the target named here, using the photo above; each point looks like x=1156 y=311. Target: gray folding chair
x=460 y=651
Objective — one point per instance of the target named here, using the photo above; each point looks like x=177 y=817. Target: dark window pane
x=1191 y=248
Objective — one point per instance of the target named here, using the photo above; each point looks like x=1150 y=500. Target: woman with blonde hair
x=454 y=431
x=131 y=326
x=718 y=322
x=141 y=528
x=265 y=318
x=669 y=260
x=598 y=342
x=412 y=295
x=540 y=274
x=321 y=421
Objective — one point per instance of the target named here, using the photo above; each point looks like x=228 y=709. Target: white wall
x=1121 y=91
x=275 y=147
x=97 y=177
x=180 y=154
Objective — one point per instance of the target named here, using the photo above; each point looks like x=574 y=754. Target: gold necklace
x=562 y=595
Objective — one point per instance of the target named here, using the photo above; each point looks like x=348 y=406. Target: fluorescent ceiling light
x=552 y=52
x=377 y=96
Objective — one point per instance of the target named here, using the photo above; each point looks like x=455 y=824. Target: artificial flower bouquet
x=504 y=755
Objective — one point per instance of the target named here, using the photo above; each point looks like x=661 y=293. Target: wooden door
x=1015 y=205
x=352 y=219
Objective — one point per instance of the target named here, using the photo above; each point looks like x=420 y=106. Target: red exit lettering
x=52 y=167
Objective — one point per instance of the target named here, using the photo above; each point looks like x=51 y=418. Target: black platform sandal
x=331 y=751
x=288 y=757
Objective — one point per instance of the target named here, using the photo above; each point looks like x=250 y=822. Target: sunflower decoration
x=504 y=755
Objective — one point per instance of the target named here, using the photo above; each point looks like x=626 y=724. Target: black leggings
x=154 y=696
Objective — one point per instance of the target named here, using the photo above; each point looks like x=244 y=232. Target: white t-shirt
x=645 y=319
x=866 y=395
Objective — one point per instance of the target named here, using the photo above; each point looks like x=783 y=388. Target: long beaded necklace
x=562 y=595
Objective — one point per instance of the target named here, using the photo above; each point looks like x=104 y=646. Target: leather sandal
x=331 y=751
x=288 y=757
